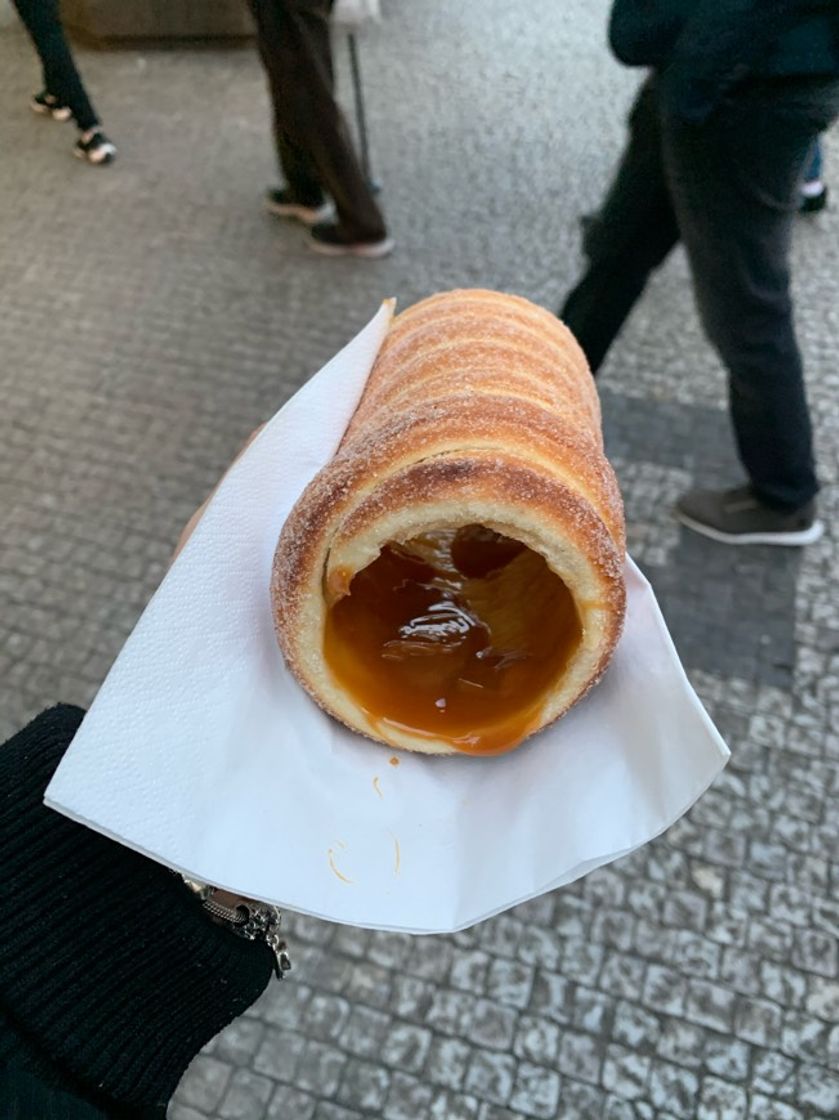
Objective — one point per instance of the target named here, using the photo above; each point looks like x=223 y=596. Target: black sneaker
x=333 y=241
x=97 y=148
x=812 y=198
x=738 y=517
x=283 y=203
x=48 y=106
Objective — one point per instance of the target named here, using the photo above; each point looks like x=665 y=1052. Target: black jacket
x=112 y=977
x=703 y=48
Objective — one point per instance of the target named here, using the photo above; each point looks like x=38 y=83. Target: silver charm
x=255 y=921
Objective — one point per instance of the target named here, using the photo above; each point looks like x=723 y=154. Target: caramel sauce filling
x=456 y=635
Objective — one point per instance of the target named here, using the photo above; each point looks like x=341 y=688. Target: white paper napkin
x=202 y=752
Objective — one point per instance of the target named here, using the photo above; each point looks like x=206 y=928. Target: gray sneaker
x=738 y=517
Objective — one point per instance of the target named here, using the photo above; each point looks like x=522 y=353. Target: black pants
x=728 y=189
x=313 y=143
x=61 y=78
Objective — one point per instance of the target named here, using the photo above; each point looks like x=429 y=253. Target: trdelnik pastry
x=453 y=580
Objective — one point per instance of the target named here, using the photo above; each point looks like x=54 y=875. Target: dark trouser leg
x=297 y=167
x=313 y=141
x=631 y=235
x=61 y=78
x=734 y=182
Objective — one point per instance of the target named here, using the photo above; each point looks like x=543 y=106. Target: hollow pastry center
x=456 y=635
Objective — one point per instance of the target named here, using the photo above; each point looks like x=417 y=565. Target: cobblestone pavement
x=152 y=315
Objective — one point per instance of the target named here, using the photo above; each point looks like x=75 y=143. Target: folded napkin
x=202 y=751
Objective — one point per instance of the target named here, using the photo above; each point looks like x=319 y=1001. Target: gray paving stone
x=283 y=1005
x=287 y=1102
x=451 y=1012
x=178 y=1111
x=494 y=1112
x=758 y=1021
x=625 y=1074
x=391 y=950
x=682 y=1043
x=490 y=1076
x=539 y=946
x=469 y=969
x=206 y=1084
x=726 y=1057
x=411 y=998
x=741 y=970
x=636 y=1028
x=552 y=996
x=279 y=1053
x=771 y=939
x=774 y=1074
x=582 y=960
x=406 y=1047
x=327 y=1111
x=407 y=1099
x=537 y=1039
x=577 y=1100
x=580 y=1056
x=816 y=952
x=365 y=1032
x=239 y=1042
x=363 y=1086
x=536 y=1091
x=710 y=1005
x=665 y=990
x=429 y=958
x=501 y=935
x=448 y=1059
x=510 y=982
x=623 y=975
x=696 y=955
x=319 y=1068
x=592 y=1011
x=722 y=1101
x=764 y=1108
x=370 y=985
x=247 y=1096
x=326 y=1017
x=493 y=1025
x=673 y=1089
x=818 y=1088
x=453 y=1106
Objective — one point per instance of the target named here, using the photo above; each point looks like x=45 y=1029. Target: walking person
x=64 y=95
x=719 y=136
x=314 y=147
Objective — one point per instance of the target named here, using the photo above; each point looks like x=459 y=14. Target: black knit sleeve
x=110 y=970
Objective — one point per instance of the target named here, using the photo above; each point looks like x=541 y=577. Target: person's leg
x=61 y=78
x=314 y=144
x=734 y=182
x=297 y=168
x=630 y=236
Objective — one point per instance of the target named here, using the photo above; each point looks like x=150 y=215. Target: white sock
x=812 y=188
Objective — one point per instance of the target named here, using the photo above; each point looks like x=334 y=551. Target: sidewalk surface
x=153 y=314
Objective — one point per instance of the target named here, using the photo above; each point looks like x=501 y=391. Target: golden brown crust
x=480 y=409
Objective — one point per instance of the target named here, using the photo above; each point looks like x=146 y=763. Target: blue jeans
x=727 y=188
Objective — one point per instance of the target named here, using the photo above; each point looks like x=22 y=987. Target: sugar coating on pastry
x=452 y=582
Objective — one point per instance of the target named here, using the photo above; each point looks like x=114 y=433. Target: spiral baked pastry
x=453 y=580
